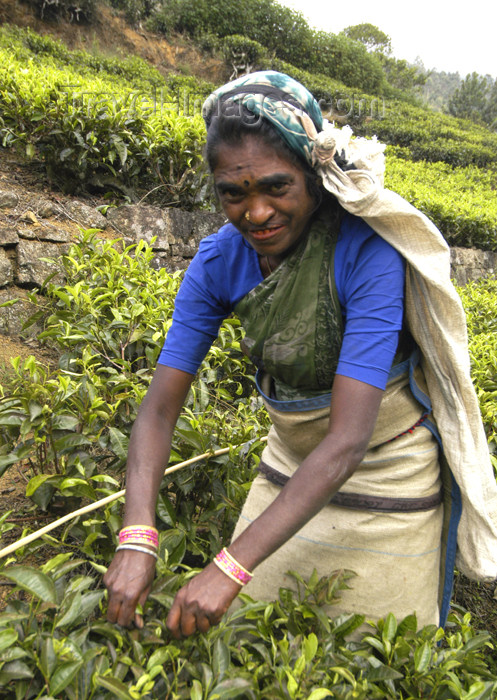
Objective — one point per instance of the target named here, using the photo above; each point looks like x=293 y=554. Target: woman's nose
x=259 y=210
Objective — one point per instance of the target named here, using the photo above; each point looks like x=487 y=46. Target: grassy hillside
x=103 y=124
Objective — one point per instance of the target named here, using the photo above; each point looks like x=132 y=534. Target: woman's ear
x=314 y=187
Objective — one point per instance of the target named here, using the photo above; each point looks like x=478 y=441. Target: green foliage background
x=79 y=115
x=72 y=424
x=108 y=125
x=120 y=127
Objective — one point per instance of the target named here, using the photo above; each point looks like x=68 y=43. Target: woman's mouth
x=263 y=234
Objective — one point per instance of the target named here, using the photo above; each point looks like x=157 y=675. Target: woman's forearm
x=304 y=495
x=150 y=443
x=148 y=455
x=130 y=574
x=353 y=415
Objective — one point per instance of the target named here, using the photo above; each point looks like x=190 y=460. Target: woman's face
x=254 y=180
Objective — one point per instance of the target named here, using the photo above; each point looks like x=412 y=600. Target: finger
x=113 y=607
x=180 y=621
x=203 y=623
x=138 y=621
x=121 y=609
x=188 y=624
x=141 y=603
x=126 y=612
x=173 y=620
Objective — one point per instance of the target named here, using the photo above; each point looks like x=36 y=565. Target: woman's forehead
x=252 y=158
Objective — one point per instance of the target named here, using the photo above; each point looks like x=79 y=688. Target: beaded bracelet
x=236 y=563
x=141 y=533
x=136 y=548
x=136 y=539
x=229 y=566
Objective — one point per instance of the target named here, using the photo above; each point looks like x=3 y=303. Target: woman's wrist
x=227 y=563
x=141 y=538
x=139 y=515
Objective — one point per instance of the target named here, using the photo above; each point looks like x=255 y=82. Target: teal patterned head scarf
x=350 y=168
x=284 y=102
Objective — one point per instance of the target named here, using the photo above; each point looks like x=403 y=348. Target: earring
x=247 y=216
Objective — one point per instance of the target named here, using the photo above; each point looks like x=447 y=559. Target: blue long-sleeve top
x=369 y=277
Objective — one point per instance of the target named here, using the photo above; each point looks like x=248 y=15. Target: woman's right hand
x=128 y=580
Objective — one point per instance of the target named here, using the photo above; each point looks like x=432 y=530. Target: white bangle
x=137 y=548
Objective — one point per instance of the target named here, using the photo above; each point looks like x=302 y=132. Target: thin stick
x=102 y=502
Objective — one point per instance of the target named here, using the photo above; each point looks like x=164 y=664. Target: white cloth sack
x=436 y=319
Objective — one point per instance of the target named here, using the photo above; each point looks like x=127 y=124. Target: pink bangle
x=143 y=538
x=143 y=533
x=232 y=568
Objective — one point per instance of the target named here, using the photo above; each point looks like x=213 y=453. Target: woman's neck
x=268 y=264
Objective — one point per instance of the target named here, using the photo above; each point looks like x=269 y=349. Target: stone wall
x=469 y=264
x=29 y=236
x=47 y=229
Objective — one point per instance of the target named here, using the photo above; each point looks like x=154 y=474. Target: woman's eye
x=231 y=195
x=278 y=188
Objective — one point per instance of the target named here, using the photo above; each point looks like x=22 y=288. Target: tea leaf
x=310 y=647
x=231 y=688
x=33 y=581
x=422 y=657
x=196 y=691
x=116 y=686
x=319 y=694
x=220 y=658
x=14 y=671
x=8 y=637
x=37 y=481
x=389 y=628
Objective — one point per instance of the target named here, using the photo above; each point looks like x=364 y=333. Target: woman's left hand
x=202 y=602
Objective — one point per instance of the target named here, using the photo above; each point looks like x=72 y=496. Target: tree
x=470 y=100
x=402 y=75
x=490 y=112
x=242 y=55
x=439 y=88
x=373 y=38
x=343 y=59
x=283 y=32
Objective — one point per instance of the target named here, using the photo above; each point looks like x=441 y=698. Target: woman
x=321 y=297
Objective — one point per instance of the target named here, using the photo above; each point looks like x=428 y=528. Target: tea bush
x=186 y=85
x=432 y=136
x=460 y=201
x=480 y=303
x=55 y=643
x=95 y=132
x=335 y=98
x=25 y=44
x=72 y=425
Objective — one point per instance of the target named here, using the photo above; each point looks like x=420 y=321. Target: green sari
x=293 y=325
